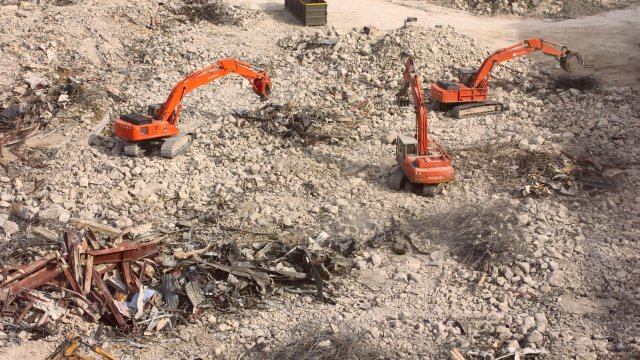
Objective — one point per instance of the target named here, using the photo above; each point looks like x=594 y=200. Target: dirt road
x=608 y=41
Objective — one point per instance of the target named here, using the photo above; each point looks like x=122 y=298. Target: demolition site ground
x=275 y=235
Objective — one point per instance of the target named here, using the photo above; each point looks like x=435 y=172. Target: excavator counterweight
x=160 y=124
x=469 y=96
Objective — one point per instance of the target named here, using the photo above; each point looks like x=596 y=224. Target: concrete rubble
x=551 y=274
x=546 y=8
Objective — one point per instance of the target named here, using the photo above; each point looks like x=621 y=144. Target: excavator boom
x=170 y=110
x=412 y=81
x=521 y=49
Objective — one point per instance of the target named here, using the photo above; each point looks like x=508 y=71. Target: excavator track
x=431 y=190
x=397 y=179
x=175 y=145
x=481 y=108
x=133 y=149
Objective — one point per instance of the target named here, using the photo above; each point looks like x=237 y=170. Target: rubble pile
x=376 y=60
x=311 y=341
x=362 y=61
x=551 y=8
x=312 y=125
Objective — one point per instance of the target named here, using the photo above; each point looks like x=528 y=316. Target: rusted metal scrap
x=78 y=271
x=135 y=288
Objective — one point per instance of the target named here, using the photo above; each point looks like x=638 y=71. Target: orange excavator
x=423 y=164
x=160 y=124
x=469 y=96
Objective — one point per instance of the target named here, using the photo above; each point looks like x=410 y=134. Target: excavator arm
x=170 y=110
x=561 y=53
x=411 y=80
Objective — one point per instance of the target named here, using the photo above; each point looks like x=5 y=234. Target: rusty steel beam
x=91 y=237
x=104 y=292
x=72 y=280
x=29 y=268
x=128 y=280
x=124 y=252
x=104 y=269
x=24 y=312
x=38 y=278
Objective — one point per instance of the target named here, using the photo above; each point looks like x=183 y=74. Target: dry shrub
x=476 y=234
x=511 y=167
x=312 y=342
x=218 y=12
x=484 y=233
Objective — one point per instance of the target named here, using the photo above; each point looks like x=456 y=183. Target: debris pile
x=565 y=175
x=81 y=277
x=306 y=123
x=44 y=97
x=531 y=170
x=219 y=12
x=14 y=128
x=142 y=288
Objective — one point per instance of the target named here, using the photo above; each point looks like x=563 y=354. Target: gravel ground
x=558 y=274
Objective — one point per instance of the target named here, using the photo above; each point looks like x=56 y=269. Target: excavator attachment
x=262 y=87
x=176 y=145
x=567 y=54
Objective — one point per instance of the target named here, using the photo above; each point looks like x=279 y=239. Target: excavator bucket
x=567 y=54
x=402 y=98
x=262 y=87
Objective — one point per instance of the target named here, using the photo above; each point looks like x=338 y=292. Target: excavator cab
x=405 y=146
x=153 y=109
x=467 y=76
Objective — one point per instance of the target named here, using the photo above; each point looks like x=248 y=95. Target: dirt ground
x=566 y=283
